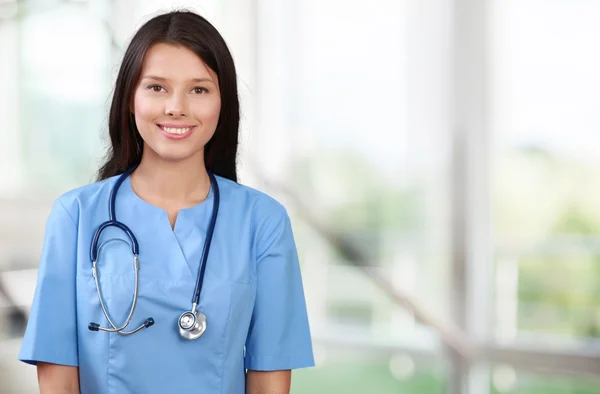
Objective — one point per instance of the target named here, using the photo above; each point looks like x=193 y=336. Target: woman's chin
x=173 y=155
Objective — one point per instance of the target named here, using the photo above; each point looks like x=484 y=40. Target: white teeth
x=172 y=130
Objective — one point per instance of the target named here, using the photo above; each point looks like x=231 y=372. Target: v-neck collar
x=183 y=243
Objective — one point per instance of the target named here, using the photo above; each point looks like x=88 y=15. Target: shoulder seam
x=68 y=213
x=278 y=221
x=283 y=213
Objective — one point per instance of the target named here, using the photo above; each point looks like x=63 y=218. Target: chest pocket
x=116 y=259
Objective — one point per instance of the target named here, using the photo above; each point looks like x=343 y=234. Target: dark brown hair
x=190 y=30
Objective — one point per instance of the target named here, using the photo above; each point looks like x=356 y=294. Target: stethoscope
x=192 y=324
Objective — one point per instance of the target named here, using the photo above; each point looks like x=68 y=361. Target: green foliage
x=547 y=203
x=354 y=195
x=361 y=378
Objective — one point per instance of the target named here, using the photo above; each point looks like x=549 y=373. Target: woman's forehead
x=175 y=63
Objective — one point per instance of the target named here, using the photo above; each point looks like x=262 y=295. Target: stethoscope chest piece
x=192 y=324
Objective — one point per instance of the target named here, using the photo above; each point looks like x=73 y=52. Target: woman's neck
x=171 y=183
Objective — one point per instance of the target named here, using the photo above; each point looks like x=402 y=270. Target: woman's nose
x=176 y=106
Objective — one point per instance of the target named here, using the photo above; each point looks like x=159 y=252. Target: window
x=336 y=117
x=546 y=150
x=60 y=96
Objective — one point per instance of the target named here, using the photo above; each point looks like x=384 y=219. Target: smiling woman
x=170 y=185
x=177 y=98
x=178 y=78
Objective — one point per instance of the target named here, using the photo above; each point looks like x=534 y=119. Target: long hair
x=189 y=30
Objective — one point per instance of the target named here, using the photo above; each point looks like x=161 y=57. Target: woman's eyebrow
x=165 y=79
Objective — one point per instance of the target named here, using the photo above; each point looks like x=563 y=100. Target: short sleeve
x=51 y=334
x=279 y=335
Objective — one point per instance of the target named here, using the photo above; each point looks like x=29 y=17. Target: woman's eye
x=199 y=90
x=155 y=88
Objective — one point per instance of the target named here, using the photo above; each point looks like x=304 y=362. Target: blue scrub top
x=252 y=294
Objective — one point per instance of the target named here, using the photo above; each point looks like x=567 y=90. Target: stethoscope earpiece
x=149 y=322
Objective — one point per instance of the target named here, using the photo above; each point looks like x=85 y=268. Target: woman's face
x=176 y=103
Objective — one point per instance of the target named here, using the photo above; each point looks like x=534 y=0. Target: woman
x=168 y=194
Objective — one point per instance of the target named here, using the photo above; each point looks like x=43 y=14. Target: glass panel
x=350 y=120
x=355 y=373
x=545 y=94
x=335 y=122
x=64 y=85
x=506 y=379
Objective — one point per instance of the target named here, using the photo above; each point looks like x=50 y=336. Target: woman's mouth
x=176 y=132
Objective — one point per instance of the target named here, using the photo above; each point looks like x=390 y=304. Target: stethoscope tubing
x=113 y=222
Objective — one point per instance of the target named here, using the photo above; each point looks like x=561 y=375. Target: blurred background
x=440 y=160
